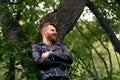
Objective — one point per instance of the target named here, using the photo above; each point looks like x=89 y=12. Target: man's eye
x=52 y=30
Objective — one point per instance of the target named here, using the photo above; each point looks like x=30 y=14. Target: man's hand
x=45 y=55
x=66 y=65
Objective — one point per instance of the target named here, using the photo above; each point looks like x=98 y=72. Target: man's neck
x=47 y=42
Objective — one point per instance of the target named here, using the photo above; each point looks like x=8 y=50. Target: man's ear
x=45 y=33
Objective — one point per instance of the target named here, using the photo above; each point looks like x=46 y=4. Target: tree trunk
x=2 y=1
x=65 y=17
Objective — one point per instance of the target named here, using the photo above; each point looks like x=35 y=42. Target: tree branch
x=105 y=64
x=108 y=51
x=2 y=1
x=108 y=29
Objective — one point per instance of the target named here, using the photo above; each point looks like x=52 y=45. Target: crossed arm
x=44 y=58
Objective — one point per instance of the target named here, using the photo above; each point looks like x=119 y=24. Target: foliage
x=28 y=13
x=81 y=41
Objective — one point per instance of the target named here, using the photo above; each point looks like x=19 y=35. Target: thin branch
x=108 y=51
x=108 y=29
x=88 y=70
x=105 y=64
x=93 y=63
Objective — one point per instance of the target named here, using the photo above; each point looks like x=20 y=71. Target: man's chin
x=53 y=40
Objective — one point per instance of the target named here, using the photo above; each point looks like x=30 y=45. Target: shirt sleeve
x=62 y=55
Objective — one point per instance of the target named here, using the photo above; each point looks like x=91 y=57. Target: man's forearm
x=63 y=57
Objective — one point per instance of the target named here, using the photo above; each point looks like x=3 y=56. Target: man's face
x=51 y=33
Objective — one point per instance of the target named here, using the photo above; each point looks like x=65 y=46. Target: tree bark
x=108 y=29
x=65 y=17
x=2 y=1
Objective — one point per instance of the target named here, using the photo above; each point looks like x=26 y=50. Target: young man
x=51 y=59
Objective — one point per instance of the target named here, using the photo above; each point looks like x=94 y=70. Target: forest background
x=89 y=29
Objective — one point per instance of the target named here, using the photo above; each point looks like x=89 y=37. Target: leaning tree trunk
x=65 y=17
